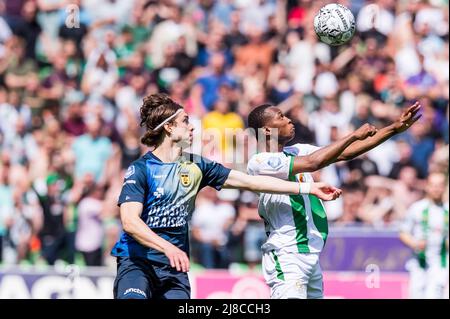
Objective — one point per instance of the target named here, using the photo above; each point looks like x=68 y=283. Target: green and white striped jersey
x=427 y=221
x=294 y=223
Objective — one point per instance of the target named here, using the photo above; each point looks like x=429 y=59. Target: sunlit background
x=72 y=70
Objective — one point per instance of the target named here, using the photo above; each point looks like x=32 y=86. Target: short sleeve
x=135 y=184
x=214 y=174
x=271 y=164
x=306 y=149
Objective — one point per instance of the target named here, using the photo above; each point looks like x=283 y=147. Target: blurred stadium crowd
x=73 y=75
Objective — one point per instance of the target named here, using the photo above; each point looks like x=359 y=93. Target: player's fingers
x=172 y=261
x=177 y=263
x=184 y=263
x=414 y=111
x=407 y=116
x=416 y=107
x=413 y=107
x=335 y=189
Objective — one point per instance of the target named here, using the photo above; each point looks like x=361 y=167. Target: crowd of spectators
x=73 y=74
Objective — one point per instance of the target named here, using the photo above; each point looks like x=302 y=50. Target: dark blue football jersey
x=167 y=192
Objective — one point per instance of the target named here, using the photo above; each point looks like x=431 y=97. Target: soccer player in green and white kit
x=425 y=230
x=297 y=226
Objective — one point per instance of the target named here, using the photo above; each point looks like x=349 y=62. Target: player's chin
x=185 y=143
x=288 y=137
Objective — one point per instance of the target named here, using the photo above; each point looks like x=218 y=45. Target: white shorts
x=293 y=275
x=431 y=283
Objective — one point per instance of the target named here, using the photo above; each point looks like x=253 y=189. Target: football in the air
x=334 y=24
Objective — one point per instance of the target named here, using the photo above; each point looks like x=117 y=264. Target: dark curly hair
x=155 y=109
x=257 y=118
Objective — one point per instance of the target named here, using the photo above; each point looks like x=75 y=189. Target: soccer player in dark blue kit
x=158 y=198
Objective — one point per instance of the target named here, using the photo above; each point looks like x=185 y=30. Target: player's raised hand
x=408 y=117
x=325 y=191
x=365 y=131
x=178 y=258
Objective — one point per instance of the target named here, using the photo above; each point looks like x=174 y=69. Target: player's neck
x=437 y=202
x=168 y=152
x=271 y=147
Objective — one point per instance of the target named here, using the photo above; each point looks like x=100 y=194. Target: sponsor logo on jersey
x=159 y=192
x=130 y=171
x=136 y=291
x=168 y=216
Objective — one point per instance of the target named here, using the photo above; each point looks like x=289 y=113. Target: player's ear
x=168 y=127
x=266 y=130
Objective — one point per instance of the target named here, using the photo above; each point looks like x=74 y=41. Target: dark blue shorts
x=139 y=278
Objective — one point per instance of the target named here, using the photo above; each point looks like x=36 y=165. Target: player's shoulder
x=263 y=160
x=418 y=207
x=195 y=158
x=300 y=149
x=203 y=163
x=138 y=166
x=263 y=157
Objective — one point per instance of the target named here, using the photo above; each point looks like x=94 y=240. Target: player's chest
x=435 y=224
x=177 y=180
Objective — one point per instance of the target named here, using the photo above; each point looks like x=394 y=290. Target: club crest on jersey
x=185 y=179
x=274 y=162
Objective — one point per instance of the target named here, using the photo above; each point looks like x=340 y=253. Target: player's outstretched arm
x=267 y=184
x=330 y=154
x=130 y=213
x=408 y=117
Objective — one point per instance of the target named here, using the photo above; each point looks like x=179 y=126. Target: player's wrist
x=305 y=188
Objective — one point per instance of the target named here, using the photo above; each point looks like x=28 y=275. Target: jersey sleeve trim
x=291 y=164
